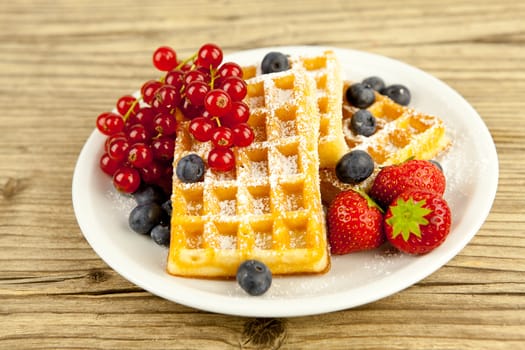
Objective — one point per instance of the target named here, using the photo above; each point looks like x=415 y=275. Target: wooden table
x=63 y=62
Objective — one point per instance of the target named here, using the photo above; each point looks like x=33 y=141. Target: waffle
x=326 y=71
x=402 y=133
x=269 y=207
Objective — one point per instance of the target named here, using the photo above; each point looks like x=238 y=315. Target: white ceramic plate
x=471 y=167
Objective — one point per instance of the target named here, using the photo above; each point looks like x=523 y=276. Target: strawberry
x=354 y=222
x=417 y=221
x=392 y=180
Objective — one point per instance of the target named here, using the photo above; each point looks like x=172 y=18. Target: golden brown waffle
x=269 y=207
x=326 y=71
x=402 y=133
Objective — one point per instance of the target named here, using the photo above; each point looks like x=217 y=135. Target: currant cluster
x=141 y=133
x=139 y=147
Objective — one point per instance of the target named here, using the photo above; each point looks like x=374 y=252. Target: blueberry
x=375 y=83
x=363 y=123
x=144 y=217
x=161 y=234
x=398 y=93
x=166 y=212
x=274 y=62
x=149 y=194
x=167 y=206
x=360 y=95
x=254 y=277
x=190 y=168
x=354 y=167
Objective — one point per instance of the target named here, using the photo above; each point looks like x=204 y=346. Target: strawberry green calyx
x=407 y=216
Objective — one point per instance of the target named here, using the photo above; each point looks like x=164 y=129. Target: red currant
x=221 y=159
x=189 y=110
x=163 y=148
x=196 y=91
x=195 y=75
x=118 y=149
x=167 y=96
x=242 y=135
x=222 y=137
x=145 y=117
x=240 y=113
x=101 y=121
x=202 y=128
x=151 y=173
x=235 y=87
x=127 y=105
x=113 y=137
x=114 y=124
x=165 y=181
x=126 y=179
x=110 y=123
x=165 y=58
x=209 y=56
x=137 y=133
x=218 y=102
x=149 y=89
x=174 y=77
x=140 y=155
x=108 y=165
x=168 y=173
x=229 y=69
x=165 y=124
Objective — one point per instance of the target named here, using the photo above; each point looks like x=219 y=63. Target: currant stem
x=213 y=76
x=126 y=116
x=191 y=58
x=217 y=120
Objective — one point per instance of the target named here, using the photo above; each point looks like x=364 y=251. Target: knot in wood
x=12 y=187
x=97 y=276
x=264 y=333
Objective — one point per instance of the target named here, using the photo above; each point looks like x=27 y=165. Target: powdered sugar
x=228 y=207
x=287 y=128
x=261 y=205
x=259 y=169
x=227 y=241
x=288 y=164
x=124 y=204
x=382 y=260
x=293 y=201
x=297 y=241
x=263 y=240
x=284 y=96
x=194 y=208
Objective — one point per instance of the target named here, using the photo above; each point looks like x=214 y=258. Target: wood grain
x=63 y=62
